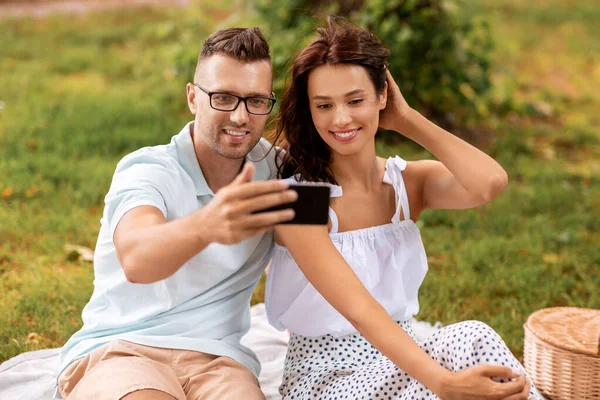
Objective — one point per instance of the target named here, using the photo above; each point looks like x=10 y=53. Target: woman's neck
x=361 y=171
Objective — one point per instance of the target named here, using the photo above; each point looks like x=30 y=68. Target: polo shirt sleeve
x=139 y=181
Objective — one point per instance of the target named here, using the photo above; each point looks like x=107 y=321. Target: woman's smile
x=345 y=135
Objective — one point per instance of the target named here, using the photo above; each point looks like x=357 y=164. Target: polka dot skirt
x=349 y=367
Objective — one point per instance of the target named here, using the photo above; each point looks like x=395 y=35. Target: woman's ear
x=383 y=97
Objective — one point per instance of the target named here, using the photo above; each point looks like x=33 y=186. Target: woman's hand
x=396 y=110
x=476 y=384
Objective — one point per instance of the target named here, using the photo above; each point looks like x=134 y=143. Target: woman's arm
x=329 y=273
x=464 y=176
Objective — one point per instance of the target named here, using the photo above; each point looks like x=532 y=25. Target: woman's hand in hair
x=396 y=108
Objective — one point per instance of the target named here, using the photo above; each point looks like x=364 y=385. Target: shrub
x=440 y=53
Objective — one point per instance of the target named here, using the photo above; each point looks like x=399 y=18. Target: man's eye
x=258 y=102
x=223 y=98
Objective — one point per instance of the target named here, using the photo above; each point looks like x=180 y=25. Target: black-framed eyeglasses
x=221 y=101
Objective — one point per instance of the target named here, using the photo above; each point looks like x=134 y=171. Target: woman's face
x=344 y=106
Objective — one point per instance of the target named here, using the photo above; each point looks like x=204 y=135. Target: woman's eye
x=322 y=106
x=357 y=101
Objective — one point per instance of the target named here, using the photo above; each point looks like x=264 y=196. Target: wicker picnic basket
x=562 y=352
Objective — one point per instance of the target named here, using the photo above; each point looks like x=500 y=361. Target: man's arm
x=151 y=249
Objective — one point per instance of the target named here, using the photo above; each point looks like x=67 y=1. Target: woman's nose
x=342 y=116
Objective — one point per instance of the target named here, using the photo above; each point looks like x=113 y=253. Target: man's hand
x=476 y=384
x=229 y=218
x=151 y=249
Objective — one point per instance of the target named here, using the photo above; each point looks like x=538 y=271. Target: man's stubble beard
x=213 y=139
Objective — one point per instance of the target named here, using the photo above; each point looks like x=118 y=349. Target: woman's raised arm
x=464 y=176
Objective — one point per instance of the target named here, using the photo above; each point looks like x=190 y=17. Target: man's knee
x=224 y=379
x=148 y=394
x=230 y=390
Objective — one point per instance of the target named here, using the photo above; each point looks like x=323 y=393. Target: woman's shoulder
x=394 y=162
x=412 y=170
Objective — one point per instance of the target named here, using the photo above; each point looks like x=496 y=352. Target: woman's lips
x=346 y=135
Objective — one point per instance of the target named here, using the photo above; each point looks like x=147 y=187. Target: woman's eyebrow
x=351 y=93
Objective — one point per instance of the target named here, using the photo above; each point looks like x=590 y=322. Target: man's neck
x=218 y=171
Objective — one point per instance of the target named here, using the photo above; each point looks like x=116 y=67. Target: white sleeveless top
x=389 y=260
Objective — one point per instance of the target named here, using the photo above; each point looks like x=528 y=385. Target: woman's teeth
x=346 y=134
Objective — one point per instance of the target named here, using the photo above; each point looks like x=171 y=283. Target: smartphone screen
x=311 y=207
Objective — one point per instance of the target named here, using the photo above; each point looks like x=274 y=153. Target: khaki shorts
x=119 y=368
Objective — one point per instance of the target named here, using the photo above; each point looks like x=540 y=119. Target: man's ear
x=191 y=97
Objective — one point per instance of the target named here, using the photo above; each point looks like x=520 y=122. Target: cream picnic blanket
x=31 y=376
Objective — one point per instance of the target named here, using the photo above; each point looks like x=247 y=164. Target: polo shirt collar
x=189 y=161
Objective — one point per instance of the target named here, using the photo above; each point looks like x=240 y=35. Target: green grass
x=79 y=92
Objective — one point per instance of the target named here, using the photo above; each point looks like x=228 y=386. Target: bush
x=439 y=52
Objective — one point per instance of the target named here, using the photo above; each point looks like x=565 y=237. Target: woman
x=347 y=291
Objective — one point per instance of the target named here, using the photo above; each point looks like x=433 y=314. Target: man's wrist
x=198 y=224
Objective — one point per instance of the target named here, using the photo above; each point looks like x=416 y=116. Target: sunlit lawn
x=79 y=92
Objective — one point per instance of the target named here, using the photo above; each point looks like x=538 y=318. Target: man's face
x=231 y=134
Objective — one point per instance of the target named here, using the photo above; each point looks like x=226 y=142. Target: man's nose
x=240 y=115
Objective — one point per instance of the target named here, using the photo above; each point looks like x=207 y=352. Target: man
x=180 y=248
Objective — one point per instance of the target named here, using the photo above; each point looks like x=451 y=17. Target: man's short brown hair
x=242 y=44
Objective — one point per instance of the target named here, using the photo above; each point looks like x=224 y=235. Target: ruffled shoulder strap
x=393 y=176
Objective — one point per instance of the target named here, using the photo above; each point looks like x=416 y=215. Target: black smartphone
x=311 y=207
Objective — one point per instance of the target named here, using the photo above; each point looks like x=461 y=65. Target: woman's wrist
x=443 y=381
x=405 y=124
x=431 y=374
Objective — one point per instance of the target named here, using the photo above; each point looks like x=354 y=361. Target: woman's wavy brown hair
x=302 y=151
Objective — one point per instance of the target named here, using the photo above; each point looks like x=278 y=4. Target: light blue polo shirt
x=205 y=305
